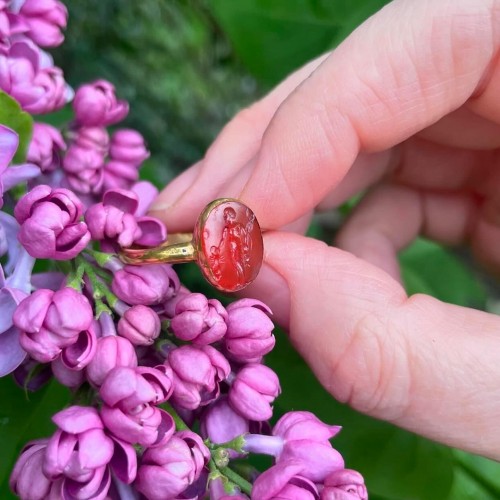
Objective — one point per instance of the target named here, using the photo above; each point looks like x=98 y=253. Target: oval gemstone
x=229 y=243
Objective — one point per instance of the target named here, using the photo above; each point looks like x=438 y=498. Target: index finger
x=401 y=71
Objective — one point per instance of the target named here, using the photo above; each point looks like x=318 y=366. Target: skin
x=406 y=107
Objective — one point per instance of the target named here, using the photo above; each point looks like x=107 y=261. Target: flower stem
x=75 y=277
x=99 y=289
x=179 y=423
x=235 y=478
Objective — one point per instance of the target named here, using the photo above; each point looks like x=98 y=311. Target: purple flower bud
x=50 y=223
x=306 y=439
x=84 y=169
x=146 y=285
x=129 y=396
x=113 y=222
x=37 y=88
x=95 y=104
x=4 y=24
x=218 y=491
x=220 y=423
x=304 y=425
x=95 y=487
x=96 y=138
x=253 y=391
x=27 y=479
x=112 y=225
x=171 y=303
x=249 y=330
x=66 y=376
x=284 y=482
x=79 y=354
x=127 y=146
x=199 y=320
x=45 y=147
x=45 y=19
x=344 y=484
x=199 y=452
x=167 y=470
x=139 y=324
x=119 y=175
x=111 y=352
x=51 y=321
x=79 y=447
x=197 y=370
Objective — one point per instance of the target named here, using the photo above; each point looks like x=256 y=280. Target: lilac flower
x=300 y=437
x=113 y=221
x=344 y=484
x=95 y=104
x=79 y=354
x=249 y=330
x=67 y=376
x=50 y=223
x=11 y=353
x=167 y=470
x=197 y=370
x=129 y=410
x=128 y=146
x=51 y=321
x=220 y=423
x=79 y=446
x=38 y=88
x=83 y=167
x=45 y=147
x=13 y=290
x=218 y=491
x=146 y=285
x=199 y=320
x=111 y=351
x=27 y=479
x=139 y=324
x=10 y=177
x=44 y=20
x=146 y=193
x=96 y=138
x=79 y=454
x=284 y=482
x=253 y=390
x=168 y=307
x=127 y=152
x=4 y=21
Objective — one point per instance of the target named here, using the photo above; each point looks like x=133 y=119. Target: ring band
x=226 y=243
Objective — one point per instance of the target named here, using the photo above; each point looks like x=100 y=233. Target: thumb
x=425 y=365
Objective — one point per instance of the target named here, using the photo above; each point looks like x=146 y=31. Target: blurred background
x=186 y=67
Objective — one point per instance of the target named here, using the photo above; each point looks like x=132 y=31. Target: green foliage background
x=186 y=67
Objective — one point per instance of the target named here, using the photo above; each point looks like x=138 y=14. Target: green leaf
x=274 y=38
x=476 y=477
x=429 y=268
x=23 y=418
x=396 y=464
x=15 y=118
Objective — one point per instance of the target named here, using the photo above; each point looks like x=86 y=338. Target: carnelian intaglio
x=229 y=244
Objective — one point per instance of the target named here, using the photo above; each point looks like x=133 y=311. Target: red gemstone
x=229 y=242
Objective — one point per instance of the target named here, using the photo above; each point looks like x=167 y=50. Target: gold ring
x=226 y=243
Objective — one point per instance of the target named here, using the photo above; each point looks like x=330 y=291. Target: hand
x=408 y=107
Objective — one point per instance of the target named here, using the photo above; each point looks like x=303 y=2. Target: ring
x=226 y=244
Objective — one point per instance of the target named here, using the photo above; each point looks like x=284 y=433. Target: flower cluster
x=169 y=386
